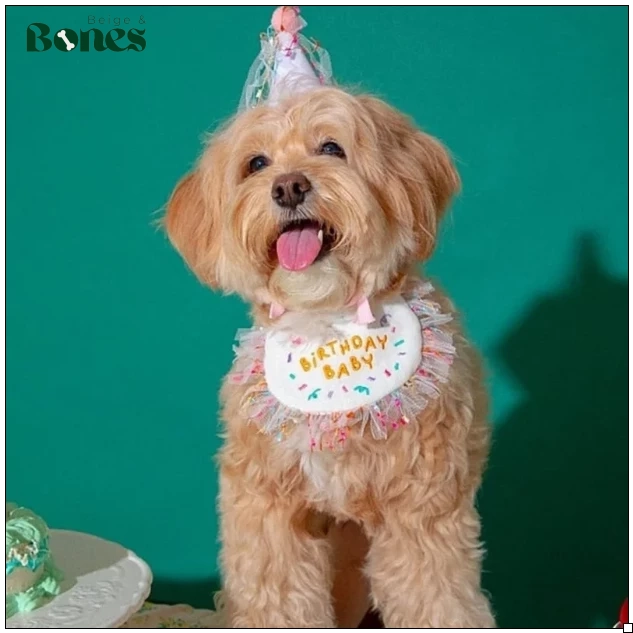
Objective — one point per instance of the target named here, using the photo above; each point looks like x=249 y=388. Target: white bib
x=355 y=367
x=380 y=376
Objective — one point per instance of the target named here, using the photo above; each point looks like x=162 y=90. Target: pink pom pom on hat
x=288 y=62
x=287 y=19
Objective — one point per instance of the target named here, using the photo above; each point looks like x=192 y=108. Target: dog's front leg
x=425 y=571
x=276 y=574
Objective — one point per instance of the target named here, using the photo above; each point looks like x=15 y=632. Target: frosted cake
x=31 y=576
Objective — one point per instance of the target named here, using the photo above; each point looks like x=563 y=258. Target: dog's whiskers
x=298 y=214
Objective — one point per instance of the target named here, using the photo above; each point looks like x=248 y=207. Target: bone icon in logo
x=69 y=45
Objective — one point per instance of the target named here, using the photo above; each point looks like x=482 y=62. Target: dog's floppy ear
x=189 y=224
x=193 y=219
x=419 y=179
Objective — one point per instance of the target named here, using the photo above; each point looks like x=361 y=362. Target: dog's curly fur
x=392 y=519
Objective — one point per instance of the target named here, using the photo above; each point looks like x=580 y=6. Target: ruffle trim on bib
x=331 y=431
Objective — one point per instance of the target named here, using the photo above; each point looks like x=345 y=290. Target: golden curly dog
x=385 y=521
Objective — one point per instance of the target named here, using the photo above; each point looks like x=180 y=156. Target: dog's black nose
x=289 y=190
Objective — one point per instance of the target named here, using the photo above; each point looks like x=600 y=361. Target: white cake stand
x=104 y=584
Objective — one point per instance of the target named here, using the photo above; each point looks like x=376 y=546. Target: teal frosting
x=26 y=540
x=32 y=561
x=47 y=587
x=26 y=546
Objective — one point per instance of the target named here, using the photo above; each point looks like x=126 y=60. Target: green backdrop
x=115 y=353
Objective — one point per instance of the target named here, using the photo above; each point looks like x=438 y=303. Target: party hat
x=288 y=63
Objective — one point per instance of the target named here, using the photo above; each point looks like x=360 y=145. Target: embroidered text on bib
x=359 y=365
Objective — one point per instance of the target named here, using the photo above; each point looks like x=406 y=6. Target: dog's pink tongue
x=297 y=248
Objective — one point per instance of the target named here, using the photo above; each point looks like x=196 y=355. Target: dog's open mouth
x=301 y=243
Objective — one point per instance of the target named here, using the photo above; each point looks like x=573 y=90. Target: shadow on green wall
x=554 y=500
x=197 y=593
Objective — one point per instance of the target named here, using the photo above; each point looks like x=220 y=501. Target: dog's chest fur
x=324 y=472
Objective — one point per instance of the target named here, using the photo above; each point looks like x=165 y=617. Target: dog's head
x=310 y=203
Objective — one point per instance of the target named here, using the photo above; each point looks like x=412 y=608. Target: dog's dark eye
x=330 y=148
x=257 y=164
